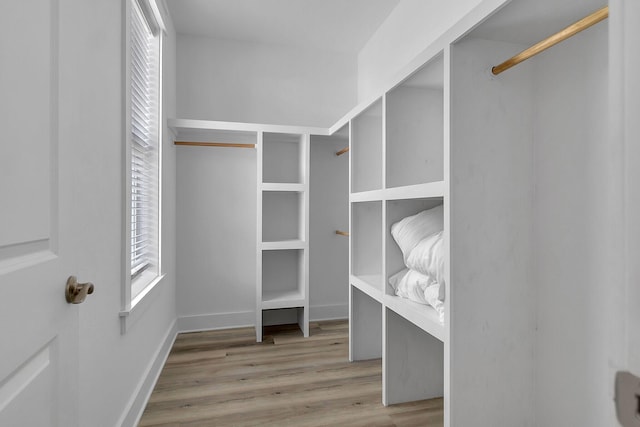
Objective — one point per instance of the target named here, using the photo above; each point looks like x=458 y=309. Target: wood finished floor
x=225 y=378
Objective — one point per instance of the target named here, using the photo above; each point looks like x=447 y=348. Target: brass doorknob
x=76 y=292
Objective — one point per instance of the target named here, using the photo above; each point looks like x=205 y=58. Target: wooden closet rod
x=341 y=152
x=214 y=144
x=342 y=233
x=545 y=44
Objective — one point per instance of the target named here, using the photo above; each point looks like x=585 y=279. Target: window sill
x=139 y=305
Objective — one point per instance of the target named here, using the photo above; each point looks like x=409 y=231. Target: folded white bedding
x=428 y=258
x=419 y=288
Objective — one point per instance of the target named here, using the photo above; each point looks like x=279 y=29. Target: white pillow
x=428 y=258
x=409 y=231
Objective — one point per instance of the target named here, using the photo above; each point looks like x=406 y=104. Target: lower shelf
x=423 y=316
x=282 y=299
x=369 y=284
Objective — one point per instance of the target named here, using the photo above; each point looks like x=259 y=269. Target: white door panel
x=38 y=328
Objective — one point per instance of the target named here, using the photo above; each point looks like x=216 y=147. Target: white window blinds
x=145 y=70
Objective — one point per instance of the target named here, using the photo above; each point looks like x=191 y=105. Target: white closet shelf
x=283 y=245
x=178 y=125
x=367 y=196
x=367 y=284
x=423 y=316
x=282 y=299
x=278 y=186
x=417 y=191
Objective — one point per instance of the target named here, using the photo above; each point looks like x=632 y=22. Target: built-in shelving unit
x=282 y=280
x=507 y=157
x=397 y=170
x=282 y=214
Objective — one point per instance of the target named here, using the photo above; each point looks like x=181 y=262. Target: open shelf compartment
x=282 y=216
x=365 y=326
x=366 y=241
x=423 y=316
x=415 y=127
x=413 y=362
x=283 y=158
x=366 y=149
x=283 y=279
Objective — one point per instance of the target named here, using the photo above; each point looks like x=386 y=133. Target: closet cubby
x=366 y=149
x=365 y=326
x=282 y=156
x=282 y=216
x=396 y=211
x=283 y=282
x=415 y=127
x=423 y=316
x=366 y=250
x=413 y=362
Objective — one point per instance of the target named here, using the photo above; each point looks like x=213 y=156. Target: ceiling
x=333 y=25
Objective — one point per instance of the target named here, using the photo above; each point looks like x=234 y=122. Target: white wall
x=251 y=82
x=216 y=237
x=112 y=366
x=410 y=28
x=328 y=212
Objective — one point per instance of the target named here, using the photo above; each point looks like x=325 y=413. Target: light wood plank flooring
x=225 y=378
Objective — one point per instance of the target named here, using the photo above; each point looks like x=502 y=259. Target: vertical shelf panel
x=415 y=128
x=492 y=310
x=258 y=306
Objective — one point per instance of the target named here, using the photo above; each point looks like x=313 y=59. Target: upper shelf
x=417 y=191
x=181 y=126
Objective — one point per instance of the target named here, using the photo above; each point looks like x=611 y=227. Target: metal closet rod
x=571 y=30
x=214 y=144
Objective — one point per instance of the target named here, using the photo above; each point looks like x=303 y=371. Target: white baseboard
x=208 y=322
x=241 y=319
x=138 y=401
x=328 y=312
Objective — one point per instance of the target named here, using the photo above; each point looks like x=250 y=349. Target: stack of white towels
x=420 y=239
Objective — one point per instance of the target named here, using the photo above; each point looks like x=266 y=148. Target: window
x=144 y=149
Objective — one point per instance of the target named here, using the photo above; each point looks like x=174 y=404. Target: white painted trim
x=139 y=305
x=177 y=124
x=328 y=312
x=138 y=401
x=243 y=319
x=213 y=321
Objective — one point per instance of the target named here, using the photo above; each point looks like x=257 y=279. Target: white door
x=38 y=328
